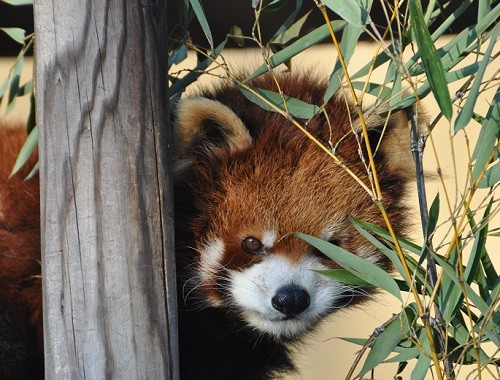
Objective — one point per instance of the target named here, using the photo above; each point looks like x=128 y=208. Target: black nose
x=291 y=300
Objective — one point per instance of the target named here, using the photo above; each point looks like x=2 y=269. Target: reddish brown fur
x=20 y=271
x=286 y=183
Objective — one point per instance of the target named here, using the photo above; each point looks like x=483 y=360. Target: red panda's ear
x=206 y=126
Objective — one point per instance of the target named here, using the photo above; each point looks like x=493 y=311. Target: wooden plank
x=107 y=219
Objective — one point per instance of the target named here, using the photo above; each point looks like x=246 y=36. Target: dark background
x=221 y=15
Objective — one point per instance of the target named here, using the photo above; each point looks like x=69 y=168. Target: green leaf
x=458 y=330
x=465 y=114
x=285 y=35
x=354 y=264
x=180 y=85
x=483 y=9
x=405 y=244
x=17 y=34
x=3 y=87
x=25 y=89
x=18 y=2
x=452 y=76
x=433 y=216
x=27 y=150
x=356 y=341
x=488 y=137
x=344 y=276
x=310 y=39
x=410 y=352
x=430 y=59
x=385 y=343
x=359 y=225
x=468 y=39
x=491 y=177
x=288 y=22
x=14 y=83
x=421 y=368
x=477 y=301
x=200 y=15
x=274 y=5
x=295 y=107
x=350 y=10
x=450 y=294
x=178 y=55
x=350 y=38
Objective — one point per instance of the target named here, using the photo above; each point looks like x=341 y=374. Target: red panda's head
x=247 y=179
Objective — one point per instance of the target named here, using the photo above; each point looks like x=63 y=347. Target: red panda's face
x=247 y=193
x=250 y=262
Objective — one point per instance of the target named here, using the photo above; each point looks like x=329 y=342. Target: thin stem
x=418 y=146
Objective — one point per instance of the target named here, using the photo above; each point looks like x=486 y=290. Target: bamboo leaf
x=180 y=85
x=310 y=39
x=26 y=151
x=405 y=244
x=274 y=5
x=25 y=89
x=356 y=341
x=433 y=216
x=491 y=177
x=451 y=76
x=350 y=10
x=290 y=29
x=421 y=368
x=17 y=34
x=430 y=59
x=451 y=273
x=18 y=2
x=479 y=247
x=14 y=83
x=484 y=8
x=4 y=86
x=295 y=107
x=455 y=47
x=354 y=264
x=350 y=38
x=178 y=55
x=200 y=15
x=465 y=114
x=488 y=137
x=410 y=352
x=386 y=343
x=344 y=276
x=450 y=296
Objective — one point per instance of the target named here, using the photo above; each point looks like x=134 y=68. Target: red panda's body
x=246 y=180
x=20 y=283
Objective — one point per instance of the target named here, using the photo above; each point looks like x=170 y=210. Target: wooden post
x=107 y=242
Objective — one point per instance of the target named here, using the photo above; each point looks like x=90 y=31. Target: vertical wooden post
x=107 y=241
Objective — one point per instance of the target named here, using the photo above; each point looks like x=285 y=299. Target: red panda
x=246 y=179
x=20 y=282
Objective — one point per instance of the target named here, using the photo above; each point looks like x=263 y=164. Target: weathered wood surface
x=106 y=207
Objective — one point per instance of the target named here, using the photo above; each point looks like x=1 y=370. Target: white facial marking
x=329 y=232
x=268 y=238
x=253 y=289
x=370 y=254
x=211 y=256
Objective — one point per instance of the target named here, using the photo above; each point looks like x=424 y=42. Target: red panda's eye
x=252 y=245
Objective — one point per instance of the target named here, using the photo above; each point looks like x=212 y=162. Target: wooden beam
x=107 y=221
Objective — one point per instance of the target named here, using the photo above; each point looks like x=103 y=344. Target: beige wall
x=324 y=355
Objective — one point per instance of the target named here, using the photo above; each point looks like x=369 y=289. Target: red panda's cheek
x=210 y=258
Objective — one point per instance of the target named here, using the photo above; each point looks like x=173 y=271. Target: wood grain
x=107 y=219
